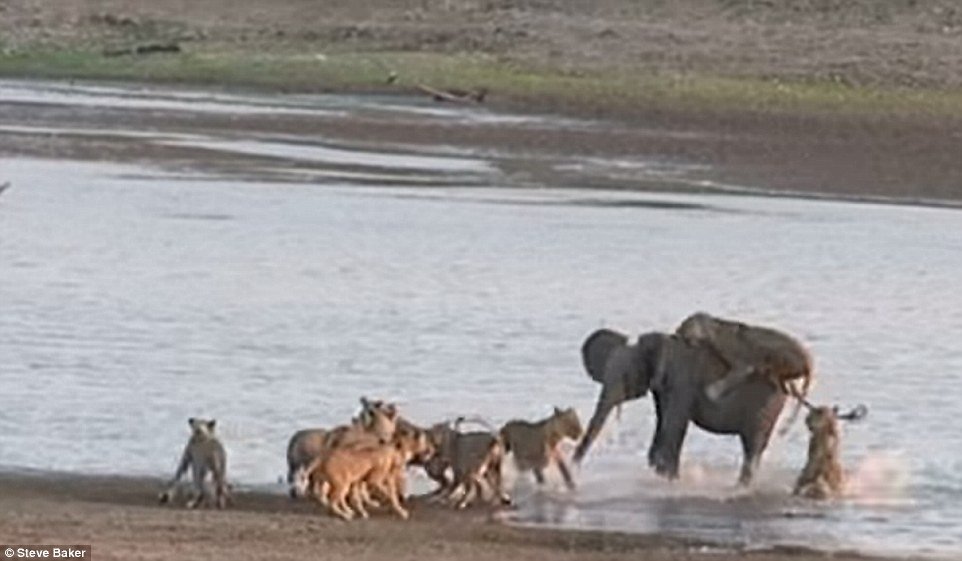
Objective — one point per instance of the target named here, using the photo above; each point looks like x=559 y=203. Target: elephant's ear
x=597 y=350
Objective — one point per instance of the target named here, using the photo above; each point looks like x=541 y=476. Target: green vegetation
x=542 y=87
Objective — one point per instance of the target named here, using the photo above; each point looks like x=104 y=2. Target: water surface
x=135 y=297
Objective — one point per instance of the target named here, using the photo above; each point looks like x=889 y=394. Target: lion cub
x=822 y=477
x=204 y=454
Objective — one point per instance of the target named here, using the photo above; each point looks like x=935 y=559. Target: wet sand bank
x=822 y=156
x=119 y=517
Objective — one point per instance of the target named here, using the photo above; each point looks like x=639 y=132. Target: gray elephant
x=677 y=372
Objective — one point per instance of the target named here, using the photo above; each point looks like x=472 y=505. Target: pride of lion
x=362 y=465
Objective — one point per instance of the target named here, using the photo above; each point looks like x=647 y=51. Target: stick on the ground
x=147 y=49
x=4 y=187
x=456 y=96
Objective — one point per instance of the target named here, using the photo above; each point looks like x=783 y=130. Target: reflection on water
x=133 y=300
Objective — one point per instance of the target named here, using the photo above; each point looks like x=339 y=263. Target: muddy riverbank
x=120 y=519
x=852 y=99
x=904 y=160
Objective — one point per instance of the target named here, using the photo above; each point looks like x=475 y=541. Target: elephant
x=678 y=372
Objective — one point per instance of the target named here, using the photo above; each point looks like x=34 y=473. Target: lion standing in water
x=822 y=477
x=536 y=445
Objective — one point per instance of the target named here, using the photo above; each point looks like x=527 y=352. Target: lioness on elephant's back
x=751 y=350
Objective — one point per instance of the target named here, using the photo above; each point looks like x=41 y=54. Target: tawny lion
x=474 y=459
x=823 y=476
x=204 y=455
x=536 y=445
x=376 y=422
x=748 y=350
x=346 y=473
x=751 y=350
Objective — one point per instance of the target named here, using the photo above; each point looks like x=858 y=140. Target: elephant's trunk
x=602 y=410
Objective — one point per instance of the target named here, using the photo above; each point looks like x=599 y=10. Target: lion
x=376 y=423
x=302 y=449
x=474 y=459
x=425 y=458
x=536 y=445
x=370 y=413
x=749 y=350
x=822 y=477
x=204 y=454
x=347 y=472
x=435 y=466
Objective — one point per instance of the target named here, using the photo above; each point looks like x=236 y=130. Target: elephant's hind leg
x=752 y=449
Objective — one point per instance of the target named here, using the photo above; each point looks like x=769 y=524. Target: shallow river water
x=133 y=298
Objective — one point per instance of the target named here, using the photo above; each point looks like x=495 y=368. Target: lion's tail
x=505 y=435
x=798 y=388
x=476 y=419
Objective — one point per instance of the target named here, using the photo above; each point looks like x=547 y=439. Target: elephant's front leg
x=565 y=472
x=656 y=437
x=670 y=435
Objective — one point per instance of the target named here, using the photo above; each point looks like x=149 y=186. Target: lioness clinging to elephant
x=748 y=350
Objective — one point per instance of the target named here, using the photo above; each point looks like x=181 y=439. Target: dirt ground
x=120 y=519
x=887 y=42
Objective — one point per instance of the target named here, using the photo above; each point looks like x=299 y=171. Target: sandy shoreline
x=119 y=517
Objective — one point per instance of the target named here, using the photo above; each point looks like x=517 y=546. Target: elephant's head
x=625 y=371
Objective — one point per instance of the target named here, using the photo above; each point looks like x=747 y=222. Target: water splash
x=880 y=478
